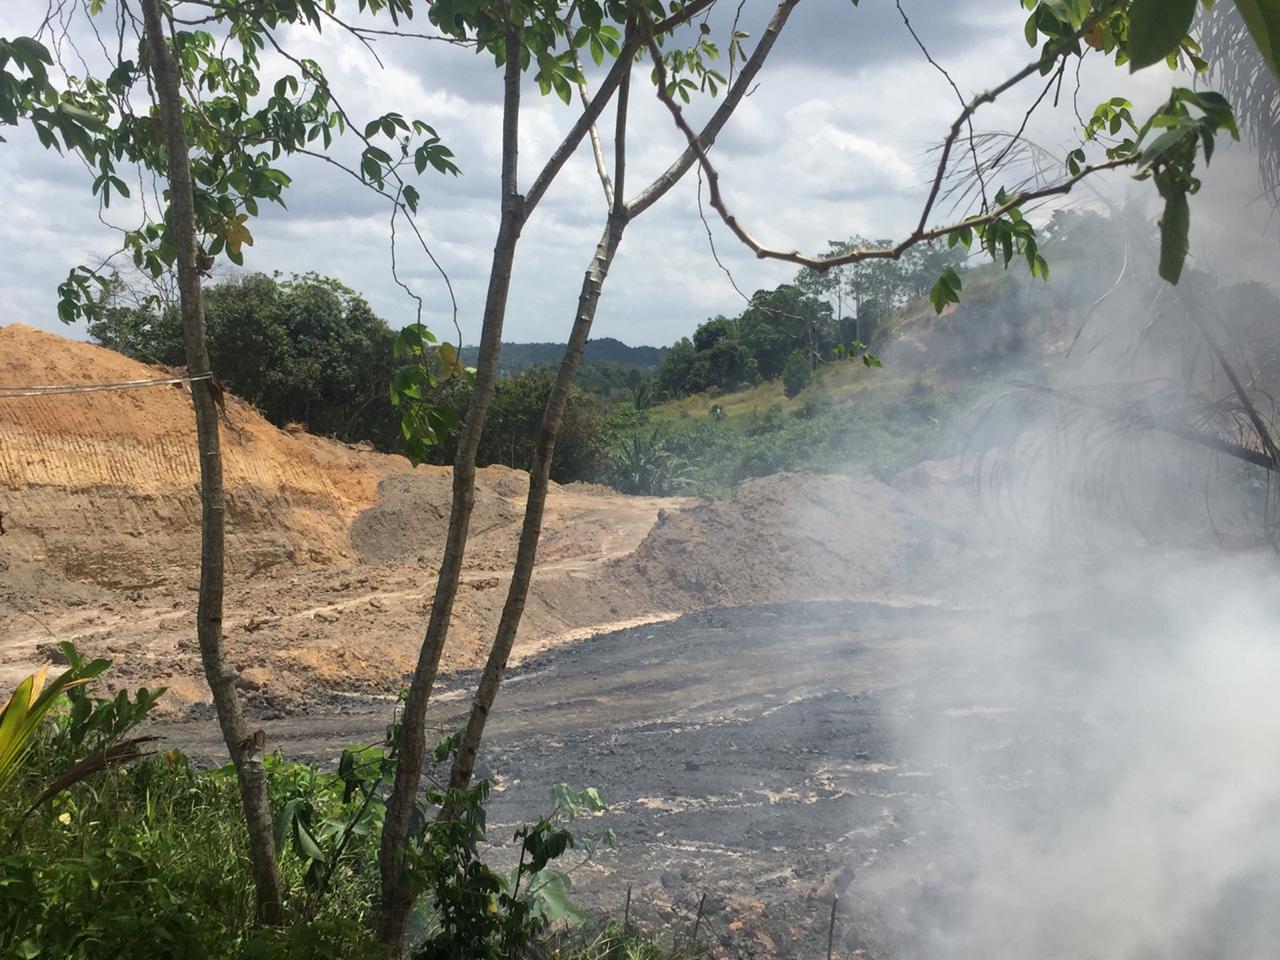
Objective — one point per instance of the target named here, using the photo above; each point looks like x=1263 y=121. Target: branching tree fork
x=620 y=215
x=397 y=891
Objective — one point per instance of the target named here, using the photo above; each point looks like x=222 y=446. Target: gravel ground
x=755 y=755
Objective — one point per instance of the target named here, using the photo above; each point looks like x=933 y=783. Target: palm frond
x=1086 y=457
x=1243 y=77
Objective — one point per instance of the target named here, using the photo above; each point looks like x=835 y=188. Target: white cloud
x=833 y=141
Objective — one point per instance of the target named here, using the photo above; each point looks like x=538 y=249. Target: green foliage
x=781 y=320
x=309 y=350
x=612 y=942
x=240 y=121
x=819 y=316
x=645 y=464
x=675 y=377
x=946 y=290
x=149 y=860
x=473 y=911
x=512 y=425
x=1262 y=17
x=32 y=702
x=1165 y=149
x=134 y=325
x=880 y=428
x=936 y=369
x=1169 y=160
x=796 y=374
x=864 y=292
x=91 y=723
x=1157 y=28
x=303 y=349
x=416 y=388
x=726 y=353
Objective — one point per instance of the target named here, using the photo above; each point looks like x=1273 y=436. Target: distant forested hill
x=517 y=357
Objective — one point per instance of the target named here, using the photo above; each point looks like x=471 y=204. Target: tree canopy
x=302 y=349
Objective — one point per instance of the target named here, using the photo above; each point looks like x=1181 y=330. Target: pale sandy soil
x=332 y=549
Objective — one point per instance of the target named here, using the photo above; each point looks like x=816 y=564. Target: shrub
x=151 y=861
x=796 y=374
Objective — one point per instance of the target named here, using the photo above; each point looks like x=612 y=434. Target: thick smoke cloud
x=1090 y=754
x=1106 y=755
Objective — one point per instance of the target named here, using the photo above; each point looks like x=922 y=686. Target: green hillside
x=518 y=357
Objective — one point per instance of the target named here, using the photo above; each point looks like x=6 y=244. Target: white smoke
x=1107 y=773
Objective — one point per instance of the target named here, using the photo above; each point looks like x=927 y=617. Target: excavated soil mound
x=333 y=550
x=102 y=487
x=412 y=514
x=797 y=536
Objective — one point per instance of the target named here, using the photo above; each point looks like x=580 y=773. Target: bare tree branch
x=540 y=469
x=922 y=232
x=973 y=150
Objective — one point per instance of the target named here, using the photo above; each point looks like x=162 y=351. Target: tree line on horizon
x=307 y=349
x=790 y=330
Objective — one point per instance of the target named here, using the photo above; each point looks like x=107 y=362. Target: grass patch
x=850 y=419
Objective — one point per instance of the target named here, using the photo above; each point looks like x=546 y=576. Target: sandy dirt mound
x=804 y=537
x=333 y=549
x=103 y=486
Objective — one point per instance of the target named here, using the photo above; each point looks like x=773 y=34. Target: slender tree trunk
x=539 y=481
x=246 y=747
x=397 y=891
x=588 y=300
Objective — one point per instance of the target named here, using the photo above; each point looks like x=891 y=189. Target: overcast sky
x=832 y=142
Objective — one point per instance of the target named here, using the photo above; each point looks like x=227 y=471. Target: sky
x=833 y=141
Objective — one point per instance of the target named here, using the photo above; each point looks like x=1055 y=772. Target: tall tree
x=220 y=157
x=246 y=746
x=620 y=215
x=640 y=29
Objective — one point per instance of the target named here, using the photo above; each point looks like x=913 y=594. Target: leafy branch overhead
x=239 y=121
x=1166 y=148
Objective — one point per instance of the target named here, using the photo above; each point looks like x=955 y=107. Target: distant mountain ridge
x=517 y=357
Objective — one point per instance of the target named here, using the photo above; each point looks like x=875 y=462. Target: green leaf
x=1161 y=145
x=551 y=891
x=946 y=290
x=1262 y=17
x=284 y=823
x=1175 y=229
x=307 y=843
x=1156 y=28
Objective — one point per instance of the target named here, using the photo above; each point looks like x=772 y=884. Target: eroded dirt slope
x=103 y=486
x=333 y=549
